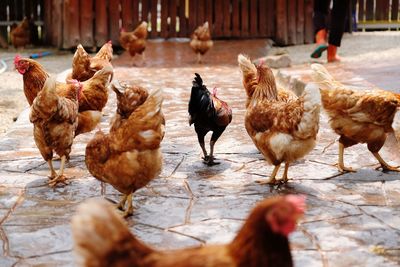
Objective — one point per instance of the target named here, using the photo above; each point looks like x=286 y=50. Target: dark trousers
x=337 y=21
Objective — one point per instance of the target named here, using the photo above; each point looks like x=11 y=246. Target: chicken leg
x=285 y=173
x=272 y=180
x=340 y=164
x=121 y=204
x=384 y=165
x=53 y=173
x=61 y=178
x=210 y=160
x=129 y=211
x=198 y=58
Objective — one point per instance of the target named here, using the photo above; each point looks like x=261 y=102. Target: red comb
x=109 y=42
x=17 y=59
x=298 y=201
x=261 y=62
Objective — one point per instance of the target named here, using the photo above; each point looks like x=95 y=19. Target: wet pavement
x=352 y=219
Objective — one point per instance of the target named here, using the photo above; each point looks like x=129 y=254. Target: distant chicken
x=84 y=66
x=93 y=98
x=201 y=41
x=208 y=113
x=21 y=34
x=55 y=120
x=283 y=126
x=358 y=116
x=134 y=42
x=129 y=157
x=103 y=239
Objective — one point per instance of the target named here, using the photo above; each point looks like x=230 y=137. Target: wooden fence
x=66 y=23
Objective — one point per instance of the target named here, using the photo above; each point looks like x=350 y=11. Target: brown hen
x=283 y=126
x=201 y=41
x=357 y=116
x=55 y=120
x=21 y=34
x=129 y=157
x=262 y=240
x=135 y=41
x=94 y=93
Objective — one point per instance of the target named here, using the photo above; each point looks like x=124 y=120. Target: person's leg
x=336 y=29
x=321 y=11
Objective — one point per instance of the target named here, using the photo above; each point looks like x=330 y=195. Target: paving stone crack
x=315 y=241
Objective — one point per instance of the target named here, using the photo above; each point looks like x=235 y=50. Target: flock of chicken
x=282 y=126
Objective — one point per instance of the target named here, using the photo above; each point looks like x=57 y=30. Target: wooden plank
x=113 y=17
x=262 y=19
x=127 y=14
x=153 y=14
x=379 y=10
x=395 y=10
x=101 y=21
x=183 y=21
x=219 y=19
x=271 y=22
x=192 y=15
x=236 y=18
x=291 y=28
x=281 y=34
x=361 y=10
x=385 y=9
x=226 y=27
x=172 y=14
x=3 y=29
x=164 y=18
x=369 y=10
x=86 y=23
x=47 y=27
x=71 y=34
x=56 y=22
x=135 y=14
x=201 y=6
x=253 y=18
x=209 y=10
x=145 y=10
x=300 y=21
x=244 y=29
x=308 y=24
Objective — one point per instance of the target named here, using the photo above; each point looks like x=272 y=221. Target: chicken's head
x=21 y=65
x=282 y=217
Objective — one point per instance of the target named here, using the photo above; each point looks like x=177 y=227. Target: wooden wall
x=93 y=22
x=66 y=23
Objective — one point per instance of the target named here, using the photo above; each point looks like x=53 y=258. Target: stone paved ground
x=352 y=219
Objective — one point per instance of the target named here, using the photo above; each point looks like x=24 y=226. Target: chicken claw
x=343 y=169
x=58 y=179
x=272 y=180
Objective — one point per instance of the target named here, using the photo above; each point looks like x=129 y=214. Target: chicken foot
x=272 y=180
x=198 y=58
x=129 y=211
x=121 y=204
x=384 y=165
x=340 y=164
x=61 y=178
x=285 y=173
x=210 y=159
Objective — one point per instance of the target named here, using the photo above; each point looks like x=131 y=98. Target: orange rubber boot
x=320 y=37
x=332 y=54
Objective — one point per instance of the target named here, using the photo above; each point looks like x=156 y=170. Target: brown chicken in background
x=208 y=113
x=357 y=116
x=93 y=98
x=84 y=66
x=283 y=126
x=135 y=41
x=201 y=41
x=129 y=157
x=55 y=119
x=21 y=34
x=262 y=240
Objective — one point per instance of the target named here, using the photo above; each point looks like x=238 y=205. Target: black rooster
x=208 y=113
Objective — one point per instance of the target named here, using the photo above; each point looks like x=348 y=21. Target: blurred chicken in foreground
x=129 y=157
x=283 y=126
x=208 y=113
x=135 y=41
x=84 y=66
x=201 y=41
x=93 y=98
x=262 y=240
x=55 y=120
x=358 y=116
